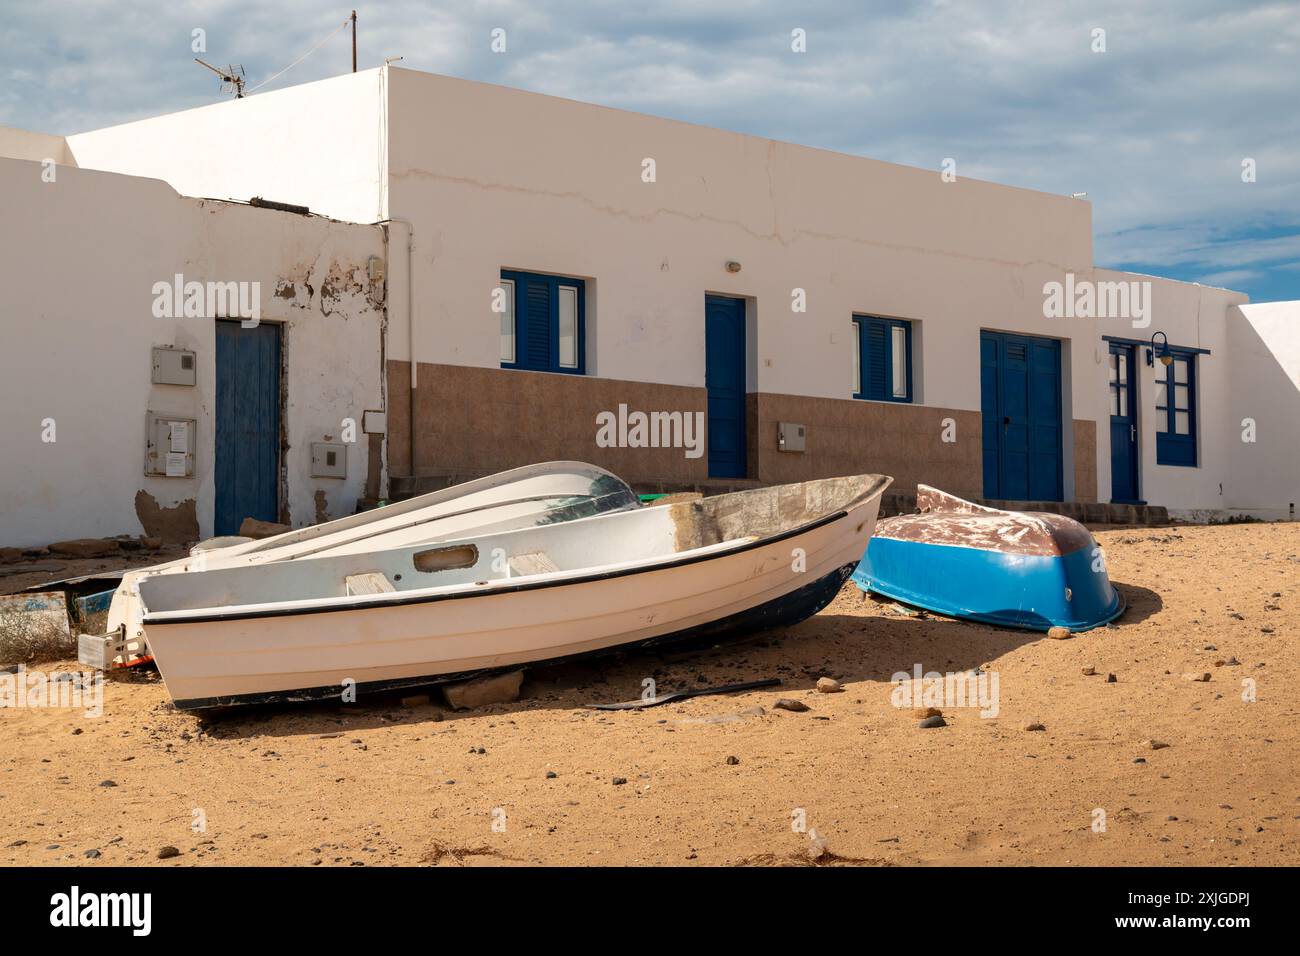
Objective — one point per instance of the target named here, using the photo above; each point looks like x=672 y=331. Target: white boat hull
x=309 y=650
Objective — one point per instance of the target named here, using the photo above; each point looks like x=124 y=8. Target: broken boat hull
x=1013 y=569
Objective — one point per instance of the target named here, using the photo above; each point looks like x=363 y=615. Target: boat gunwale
x=473 y=591
x=875 y=490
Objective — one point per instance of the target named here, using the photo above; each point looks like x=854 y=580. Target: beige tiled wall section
x=846 y=436
x=1085 y=460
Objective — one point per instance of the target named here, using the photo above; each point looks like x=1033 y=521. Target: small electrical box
x=790 y=436
x=169 y=446
x=329 y=459
x=375 y=269
x=172 y=366
x=374 y=423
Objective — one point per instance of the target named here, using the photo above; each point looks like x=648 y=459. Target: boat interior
x=608 y=541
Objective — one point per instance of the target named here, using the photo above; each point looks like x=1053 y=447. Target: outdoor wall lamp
x=1160 y=351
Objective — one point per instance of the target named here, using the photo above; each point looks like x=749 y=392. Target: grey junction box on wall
x=173 y=366
x=169 y=445
x=790 y=436
x=329 y=459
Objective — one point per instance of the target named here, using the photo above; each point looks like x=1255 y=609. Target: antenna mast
x=232 y=78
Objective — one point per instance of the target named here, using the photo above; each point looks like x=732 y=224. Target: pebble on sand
x=828 y=685
x=1200 y=677
x=167 y=852
x=732 y=761
x=619 y=781
x=1089 y=670
x=1034 y=726
x=1059 y=633
x=932 y=722
x=1155 y=744
x=789 y=703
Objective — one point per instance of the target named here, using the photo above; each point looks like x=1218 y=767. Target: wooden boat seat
x=532 y=562
x=368 y=582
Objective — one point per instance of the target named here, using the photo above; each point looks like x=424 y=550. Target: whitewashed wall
x=1264 y=347
x=315 y=145
x=81 y=256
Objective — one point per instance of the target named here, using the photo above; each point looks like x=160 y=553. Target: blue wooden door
x=1123 y=423
x=247 y=425
x=724 y=379
x=1020 y=404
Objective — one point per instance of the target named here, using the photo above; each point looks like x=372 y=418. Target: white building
x=126 y=412
x=896 y=317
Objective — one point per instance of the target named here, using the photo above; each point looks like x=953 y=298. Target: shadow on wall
x=1264 y=447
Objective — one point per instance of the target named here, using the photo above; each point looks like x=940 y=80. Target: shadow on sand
x=870 y=646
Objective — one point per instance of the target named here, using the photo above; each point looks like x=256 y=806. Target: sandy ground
x=384 y=784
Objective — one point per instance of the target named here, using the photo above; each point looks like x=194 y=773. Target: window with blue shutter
x=884 y=358
x=543 y=323
x=1176 y=410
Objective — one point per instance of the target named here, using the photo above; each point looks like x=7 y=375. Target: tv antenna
x=232 y=77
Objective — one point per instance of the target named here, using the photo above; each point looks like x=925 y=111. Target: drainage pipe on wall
x=410 y=335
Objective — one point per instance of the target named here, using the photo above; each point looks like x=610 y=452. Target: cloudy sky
x=1155 y=129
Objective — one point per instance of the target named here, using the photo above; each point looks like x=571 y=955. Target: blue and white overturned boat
x=1011 y=568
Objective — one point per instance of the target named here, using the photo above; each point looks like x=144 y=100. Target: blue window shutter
x=533 y=319
x=875 y=365
x=537 y=322
x=876 y=361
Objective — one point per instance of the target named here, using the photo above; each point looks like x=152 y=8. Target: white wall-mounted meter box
x=173 y=366
x=169 y=446
x=329 y=459
x=790 y=436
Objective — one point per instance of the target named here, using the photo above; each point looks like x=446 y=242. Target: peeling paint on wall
x=175 y=525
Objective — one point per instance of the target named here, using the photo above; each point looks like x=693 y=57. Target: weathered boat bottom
x=785 y=611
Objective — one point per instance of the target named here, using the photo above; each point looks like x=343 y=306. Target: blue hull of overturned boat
x=1031 y=571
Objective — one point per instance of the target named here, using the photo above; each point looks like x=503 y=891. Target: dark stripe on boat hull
x=784 y=611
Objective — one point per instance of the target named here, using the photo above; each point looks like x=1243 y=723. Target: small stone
x=76 y=731
x=828 y=685
x=108 y=783
x=1111 y=678
x=18 y=843
x=1059 y=633
x=1210 y=647
x=789 y=703
x=1139 y=759
x=481 y=691
x=1154 y=744
x=930 y=722
x=167 y=852
x=1034 y=726
x=92 y=854
x=415 y=700
x=619 y=781
x=1089 y=670
x=732 y=761
x=86 y=548
x=551 y=775
x=1200 y=677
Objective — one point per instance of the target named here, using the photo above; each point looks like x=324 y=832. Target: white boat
x=533 y=495
x=417 y=614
